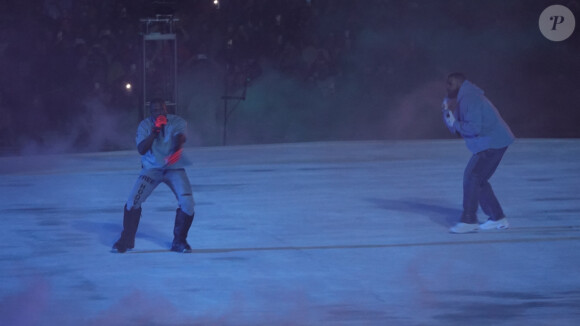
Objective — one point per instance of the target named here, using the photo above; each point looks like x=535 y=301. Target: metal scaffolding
x=159 y=61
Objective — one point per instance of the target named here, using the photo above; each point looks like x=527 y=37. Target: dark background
x=325 y=70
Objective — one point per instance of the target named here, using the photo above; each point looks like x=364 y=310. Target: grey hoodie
x=478 y=121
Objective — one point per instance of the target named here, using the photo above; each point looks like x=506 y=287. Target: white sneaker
x=499 y=224
x=464 y=228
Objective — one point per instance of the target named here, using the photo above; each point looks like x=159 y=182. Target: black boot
x=130 y=223
x=182 y=225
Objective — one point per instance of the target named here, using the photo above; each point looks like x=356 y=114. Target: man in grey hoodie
x=469 y=114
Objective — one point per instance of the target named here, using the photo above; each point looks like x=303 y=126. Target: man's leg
x=487 y=199
x=147 y=181
x=476 y=187
x=179 y=183
x=471 y=188
x=130 y=223
x=489 y=203
x=144 y=186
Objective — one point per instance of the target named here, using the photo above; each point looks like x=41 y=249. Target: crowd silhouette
x=59 y=57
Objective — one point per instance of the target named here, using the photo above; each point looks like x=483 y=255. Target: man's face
x=453 y=86
x=157 y=109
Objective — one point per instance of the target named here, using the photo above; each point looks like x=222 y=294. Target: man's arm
x=145 y=145
x=447 y=108
x=470 y=125
x=178 y=140
x=175 y=155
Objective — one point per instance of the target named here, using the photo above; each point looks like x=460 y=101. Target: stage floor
x=327 y=233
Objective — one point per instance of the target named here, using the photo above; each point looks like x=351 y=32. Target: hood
x=468 y=88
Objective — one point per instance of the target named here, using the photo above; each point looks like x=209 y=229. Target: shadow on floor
x=440 y=213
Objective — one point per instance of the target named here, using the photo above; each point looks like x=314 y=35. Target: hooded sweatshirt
x=478 y=121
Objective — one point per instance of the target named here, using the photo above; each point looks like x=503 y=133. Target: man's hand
x=444 y=105
x=449 y=104
x=160 y=121
x=449 y=118
x=173 y=158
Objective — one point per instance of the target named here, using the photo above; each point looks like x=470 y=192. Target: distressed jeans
x=477 y=189
x=177 y=181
